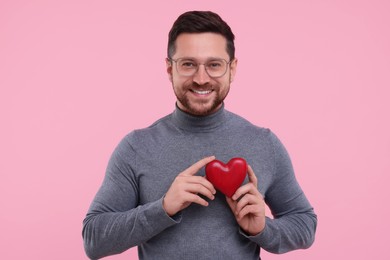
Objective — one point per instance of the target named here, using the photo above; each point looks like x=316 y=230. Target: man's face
x=200 y=94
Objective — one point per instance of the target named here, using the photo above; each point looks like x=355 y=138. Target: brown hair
x=199 y=22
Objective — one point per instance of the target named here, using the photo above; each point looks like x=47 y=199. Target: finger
x=232 y=204
x=252 y=176
x=193 y=169
x=247 y=188
x=203 y=181
x=193 y=198
x=199 y=189
x=249 y=209
x=247 y=199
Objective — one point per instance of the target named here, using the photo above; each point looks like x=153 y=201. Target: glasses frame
x=198 y=65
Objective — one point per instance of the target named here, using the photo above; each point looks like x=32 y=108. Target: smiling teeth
x=200 y=92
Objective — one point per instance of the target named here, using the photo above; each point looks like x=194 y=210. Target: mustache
x=197 y=86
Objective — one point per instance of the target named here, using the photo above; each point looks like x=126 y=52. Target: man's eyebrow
x=207 y=59
x=187 y=58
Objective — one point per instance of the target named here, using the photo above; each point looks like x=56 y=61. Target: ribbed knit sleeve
x=294 y=223
x=115 y=221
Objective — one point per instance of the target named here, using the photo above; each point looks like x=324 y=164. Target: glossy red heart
x=227 y=178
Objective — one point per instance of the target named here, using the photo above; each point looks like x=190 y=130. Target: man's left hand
x=249 y=211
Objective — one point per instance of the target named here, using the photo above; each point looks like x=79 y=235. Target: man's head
x=201 y=62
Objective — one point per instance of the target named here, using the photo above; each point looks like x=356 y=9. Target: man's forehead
x=201 y=45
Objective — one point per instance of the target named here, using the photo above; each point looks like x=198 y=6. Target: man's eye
x=188 y=64
x=214 y=64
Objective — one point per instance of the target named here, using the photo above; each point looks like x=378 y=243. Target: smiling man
x=203 y=73
x=155 y=195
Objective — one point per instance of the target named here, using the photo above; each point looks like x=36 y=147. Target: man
x=155 y=195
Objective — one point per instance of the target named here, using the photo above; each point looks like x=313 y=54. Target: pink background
x=76 y=76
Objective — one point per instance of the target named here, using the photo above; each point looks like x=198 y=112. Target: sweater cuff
x=156 y=218
x=262 y=237
x=175 y=218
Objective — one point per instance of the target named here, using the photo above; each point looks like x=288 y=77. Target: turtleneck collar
x=198 y=123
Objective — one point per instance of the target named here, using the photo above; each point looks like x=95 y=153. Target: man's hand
x=250 y=209
x=185 y=189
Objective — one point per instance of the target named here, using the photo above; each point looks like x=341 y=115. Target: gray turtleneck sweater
x=127 y=210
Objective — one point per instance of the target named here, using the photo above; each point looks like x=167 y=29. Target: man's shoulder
x=255 y=133
x=158 y=127
x=245 y=125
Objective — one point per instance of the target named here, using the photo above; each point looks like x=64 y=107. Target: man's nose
x=201 y=77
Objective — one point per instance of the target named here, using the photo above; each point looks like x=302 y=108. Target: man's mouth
x=201 y=92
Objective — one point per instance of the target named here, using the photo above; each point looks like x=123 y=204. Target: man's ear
x=169 y=68
x=233 y=69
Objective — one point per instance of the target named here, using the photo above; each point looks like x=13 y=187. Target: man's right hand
x=186 y=187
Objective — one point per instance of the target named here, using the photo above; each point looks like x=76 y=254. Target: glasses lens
x=215 y=68
x=186 y=67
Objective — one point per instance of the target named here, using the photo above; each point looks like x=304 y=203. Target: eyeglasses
x=215 y=68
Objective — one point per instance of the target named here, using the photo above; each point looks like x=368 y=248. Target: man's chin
x=203 y=110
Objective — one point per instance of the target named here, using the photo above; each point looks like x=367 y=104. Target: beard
x=201 y=108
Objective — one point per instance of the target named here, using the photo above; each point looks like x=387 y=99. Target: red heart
x=226 y=178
